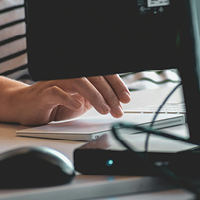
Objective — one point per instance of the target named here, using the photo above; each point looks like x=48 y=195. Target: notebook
x=89 y=128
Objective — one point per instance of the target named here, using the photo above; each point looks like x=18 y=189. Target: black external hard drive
x=111 y=162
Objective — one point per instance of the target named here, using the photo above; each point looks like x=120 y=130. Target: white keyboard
x=168 y=108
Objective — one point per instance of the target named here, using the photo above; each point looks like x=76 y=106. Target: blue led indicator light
x=109 y=162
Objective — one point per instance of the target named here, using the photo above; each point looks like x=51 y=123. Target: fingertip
x=105 y=108
x=77 y=104
x=117 y=112
x=125 y=97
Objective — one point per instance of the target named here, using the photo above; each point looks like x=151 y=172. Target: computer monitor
x=76 y=38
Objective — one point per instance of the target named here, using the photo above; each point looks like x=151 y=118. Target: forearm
x=47 y=101
x=9 y=94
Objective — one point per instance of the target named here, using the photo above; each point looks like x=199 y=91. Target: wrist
x=10 y=100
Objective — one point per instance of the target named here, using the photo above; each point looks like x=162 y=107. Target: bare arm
x=8 y=89
x=46 y=101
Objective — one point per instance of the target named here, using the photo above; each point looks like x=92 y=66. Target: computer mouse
x=33 y=167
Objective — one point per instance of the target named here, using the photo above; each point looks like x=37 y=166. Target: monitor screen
x=70 y=39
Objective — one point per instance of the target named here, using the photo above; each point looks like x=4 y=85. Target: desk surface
x=84 y=186
x=88 y=186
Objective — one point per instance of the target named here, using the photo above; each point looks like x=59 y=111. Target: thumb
x=54 y=96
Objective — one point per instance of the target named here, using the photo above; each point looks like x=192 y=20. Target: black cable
x=117 y=126
x=163 y=170
x=156 y=114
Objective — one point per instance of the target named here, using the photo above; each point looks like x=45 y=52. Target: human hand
x=55 y=100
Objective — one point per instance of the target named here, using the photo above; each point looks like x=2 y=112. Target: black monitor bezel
x=186 y=62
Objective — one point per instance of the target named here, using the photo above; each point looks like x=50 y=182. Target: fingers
x=64 y=113
x=113 y=91
x=86 y=89
x=53 y=96
x=83 y=87
x=103 y=93
x=119 y=87
x=108 y=94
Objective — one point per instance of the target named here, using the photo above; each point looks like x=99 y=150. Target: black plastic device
x=112 y=162
x=34 y=167
x=70 y=39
